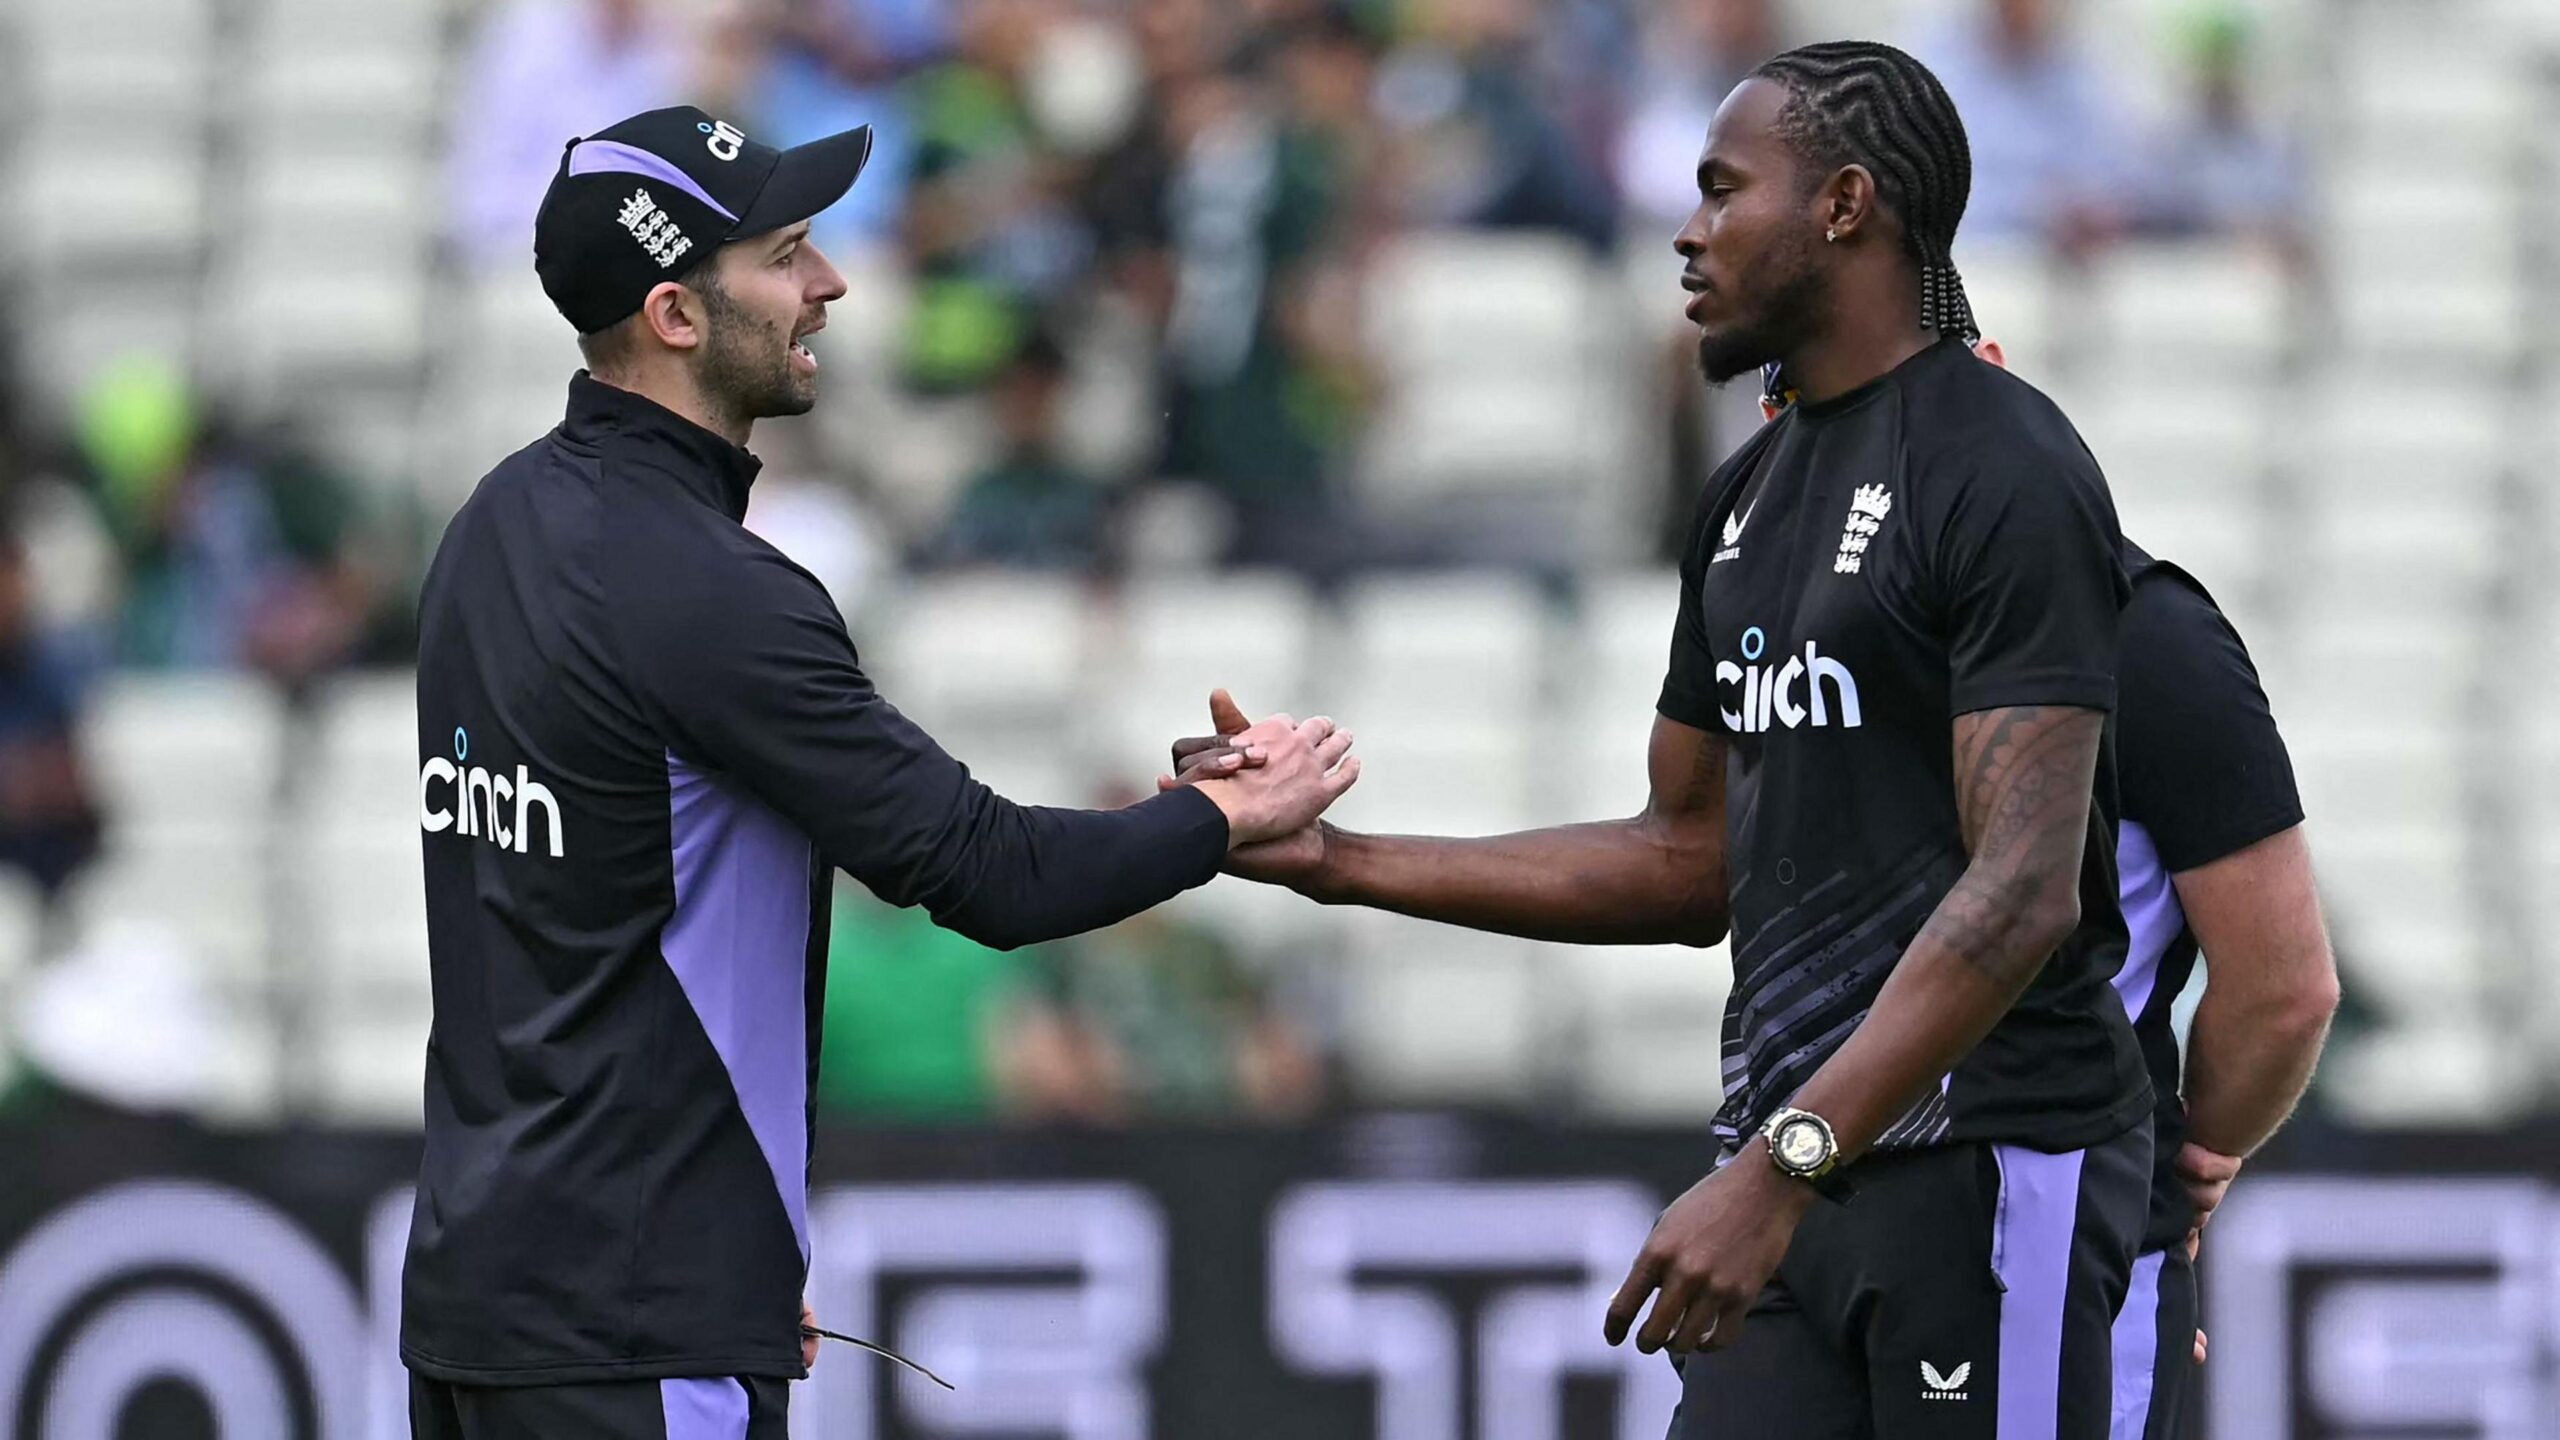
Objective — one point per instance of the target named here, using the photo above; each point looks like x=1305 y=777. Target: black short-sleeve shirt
x=2204 y=774
x=1866 y=569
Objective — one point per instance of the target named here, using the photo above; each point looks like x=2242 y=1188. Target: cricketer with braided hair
x=1880 y=761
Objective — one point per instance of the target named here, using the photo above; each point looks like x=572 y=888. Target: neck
x=674 y=389
x=1874 y=325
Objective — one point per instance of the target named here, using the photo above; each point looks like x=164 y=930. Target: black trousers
x=747 y=1408
x=1963 y=1293
x=2157 y=1397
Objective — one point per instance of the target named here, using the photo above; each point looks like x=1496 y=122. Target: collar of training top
x=706 y=464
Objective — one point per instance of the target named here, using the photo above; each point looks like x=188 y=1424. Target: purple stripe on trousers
x=2031 y=1253
x=612 y=157
x=2152 y=917
x=2136 y=1344
x=704 y=1409
x=739 y=944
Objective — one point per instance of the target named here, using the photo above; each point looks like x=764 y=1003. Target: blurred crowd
x=1191 y=191
x=1195 y=191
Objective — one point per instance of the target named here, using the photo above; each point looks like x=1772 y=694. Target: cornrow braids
x=1859 y=102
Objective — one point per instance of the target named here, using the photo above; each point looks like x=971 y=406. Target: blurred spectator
x=2220 y=169
x=1031 y=508
x=2048 y=147
x=989 y=235
x=915 y=1016
x=1486 y=147
x=1272 y=207
x=1153 y=1017
x=1695 y=53
x=238 y=549
x=812 y=68
x=1159 y=1016
x=539 y=73
x=1181 y=44
x=49 y=824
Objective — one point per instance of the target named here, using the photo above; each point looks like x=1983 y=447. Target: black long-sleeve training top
x=645 y=742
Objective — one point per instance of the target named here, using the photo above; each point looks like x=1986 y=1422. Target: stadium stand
x=2358 y=459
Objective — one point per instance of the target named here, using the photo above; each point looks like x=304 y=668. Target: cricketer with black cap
x=646 y=745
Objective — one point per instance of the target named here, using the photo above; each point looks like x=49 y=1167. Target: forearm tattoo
x=2022 y=797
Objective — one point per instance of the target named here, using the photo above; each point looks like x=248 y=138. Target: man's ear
x=674 y=314
x=1848 y=202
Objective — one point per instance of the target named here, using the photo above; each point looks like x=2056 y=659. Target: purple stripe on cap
x=739 y=944
x=2137 y=1350
x=703 y=1409
x=612 y=157
x=2031 y=1253
x=2152 y=916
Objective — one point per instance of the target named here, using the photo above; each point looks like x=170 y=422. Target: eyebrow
x=790 y=237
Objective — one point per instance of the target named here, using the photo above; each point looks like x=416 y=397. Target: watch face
x=1799 y=1145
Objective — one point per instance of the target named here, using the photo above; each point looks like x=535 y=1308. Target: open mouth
x=801 y=356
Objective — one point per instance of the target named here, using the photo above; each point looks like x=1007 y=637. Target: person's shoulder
x=2170 y=613
x=670 y=565
x=1976 y=415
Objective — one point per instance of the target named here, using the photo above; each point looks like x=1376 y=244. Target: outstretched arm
x=746 y=670
x=1656 y=877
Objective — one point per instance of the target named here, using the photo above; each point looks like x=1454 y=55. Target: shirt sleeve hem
x=2226 y=840
x=1685 y=707
x=2078 y=688
x=1197 y=829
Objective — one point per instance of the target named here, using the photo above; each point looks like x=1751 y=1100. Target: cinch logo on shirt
x=476 y=798
x=1770 y=692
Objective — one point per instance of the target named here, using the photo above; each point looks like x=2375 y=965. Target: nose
x=1690 y=241
x=825 y=282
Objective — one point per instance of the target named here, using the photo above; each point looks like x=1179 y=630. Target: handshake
x=1273 y=778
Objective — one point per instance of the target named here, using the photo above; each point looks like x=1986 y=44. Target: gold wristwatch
x=1803 y=1148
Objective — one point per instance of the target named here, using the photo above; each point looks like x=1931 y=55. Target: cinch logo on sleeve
x=468 y=800
x=1810 y=688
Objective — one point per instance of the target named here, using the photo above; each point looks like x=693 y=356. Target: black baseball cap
x=646 y=200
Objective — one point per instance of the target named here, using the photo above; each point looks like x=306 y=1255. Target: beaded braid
x=1858 y=102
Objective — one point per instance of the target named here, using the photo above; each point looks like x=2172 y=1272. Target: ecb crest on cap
x=725 y=138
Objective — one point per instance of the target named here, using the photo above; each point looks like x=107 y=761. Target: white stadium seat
x=1649 y=1021
x=2218 y=306
x=1438 y=1014
x=1170 y=640
x=985 y=648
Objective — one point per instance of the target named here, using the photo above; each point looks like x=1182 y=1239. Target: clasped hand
x=1272 y=778
x=1237 y=750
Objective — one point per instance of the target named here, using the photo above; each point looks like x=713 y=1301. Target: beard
x=746 y=367
x=1791 y=298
